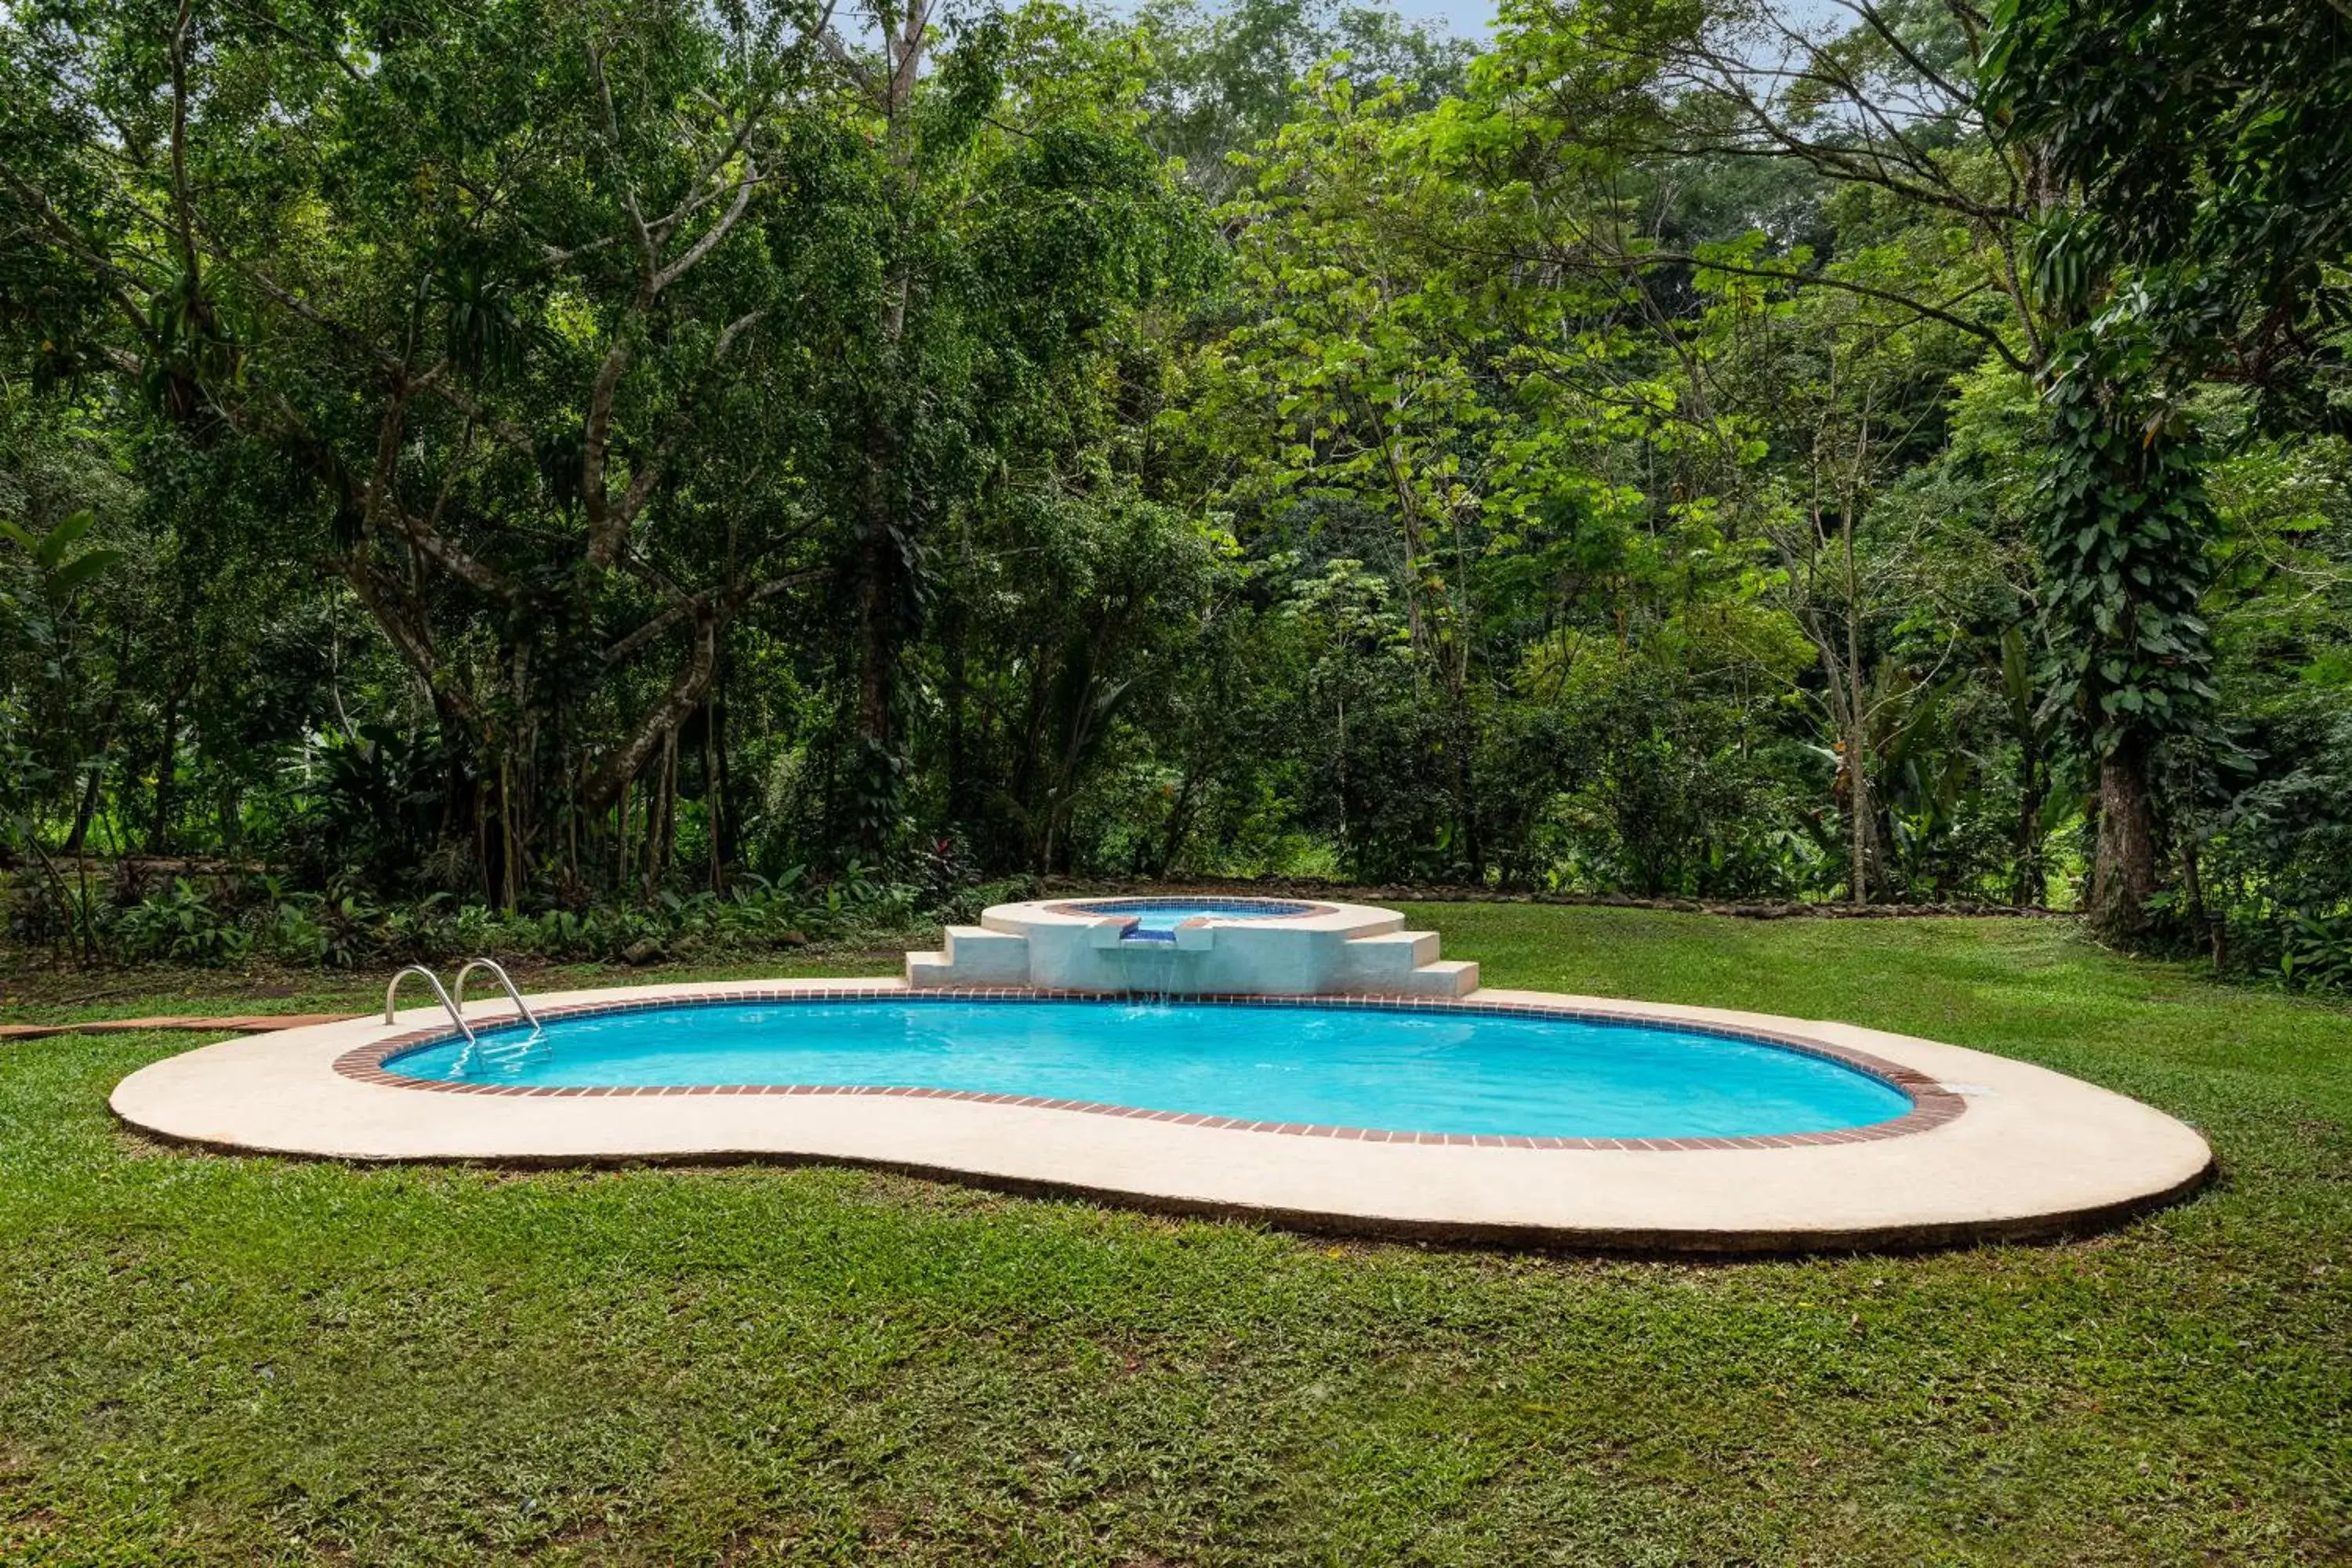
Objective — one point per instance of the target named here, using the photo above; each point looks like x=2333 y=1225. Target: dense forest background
x=614 y=474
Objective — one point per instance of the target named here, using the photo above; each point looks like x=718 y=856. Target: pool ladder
x=456 y=1005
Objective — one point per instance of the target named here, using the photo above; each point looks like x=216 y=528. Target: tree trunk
x=723 y=832
x=875 y=773
x=1863 y=813
x=1473 y=846
x=661 y=810
x=959 y=785
x=158 y=825
x=92 y=781
x=657 y=727
x=877 y=571
x=2027 y=886
x=2123 y=865
x=1180 y=821
x=1857 y=752
x=880 y=559
x=458 y=784
x=669 y=859
x=621 y=840
x=1409 y=515
x=714 y=806
x=1339 y=774
x=507 y=880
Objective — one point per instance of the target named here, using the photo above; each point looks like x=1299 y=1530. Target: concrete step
x=1446 y=977
x=984 y=957
x=973 y=956
x=1382 y=963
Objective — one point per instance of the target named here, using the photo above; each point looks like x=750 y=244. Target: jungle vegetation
x=576 y=461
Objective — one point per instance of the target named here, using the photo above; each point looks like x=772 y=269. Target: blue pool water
x=1425 y=1071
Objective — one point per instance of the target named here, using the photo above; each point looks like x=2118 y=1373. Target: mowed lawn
x=218 y=1360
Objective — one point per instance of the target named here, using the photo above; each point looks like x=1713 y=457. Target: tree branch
x=732 y=599
x=684 y=695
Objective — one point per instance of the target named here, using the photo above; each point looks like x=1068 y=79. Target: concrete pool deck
x=2014 y=1151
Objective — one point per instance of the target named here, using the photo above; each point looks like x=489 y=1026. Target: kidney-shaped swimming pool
x=1454 y=1070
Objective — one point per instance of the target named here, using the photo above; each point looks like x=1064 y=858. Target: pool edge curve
x=2024 y=1153
x=1931 y=1104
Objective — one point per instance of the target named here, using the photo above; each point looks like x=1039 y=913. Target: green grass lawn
x=207 y=1359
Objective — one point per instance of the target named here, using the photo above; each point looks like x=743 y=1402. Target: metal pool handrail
x=434 y=981
x=499 y=973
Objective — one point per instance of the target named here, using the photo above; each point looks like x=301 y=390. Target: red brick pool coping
x=1932 y=1105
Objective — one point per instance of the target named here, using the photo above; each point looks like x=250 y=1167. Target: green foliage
x=2213 y=150
x=2124 y=533
x=1220 y=80
x=550 y=468
x=210 y=922
x=2212 y=157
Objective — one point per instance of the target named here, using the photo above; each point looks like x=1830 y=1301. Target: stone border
x=2036 y=1155
x=1932 y=1105
x=1211 y=907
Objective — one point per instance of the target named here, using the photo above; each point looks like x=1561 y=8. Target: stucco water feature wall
x=1277 y=948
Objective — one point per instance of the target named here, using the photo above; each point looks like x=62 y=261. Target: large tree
x=1889 y=105
x=1013 y=223
x=2209 y=151
x=490 y=285
x=577 y=333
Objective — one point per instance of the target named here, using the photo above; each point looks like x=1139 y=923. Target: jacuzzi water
x=1402 y=1071
x=1163 y=916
